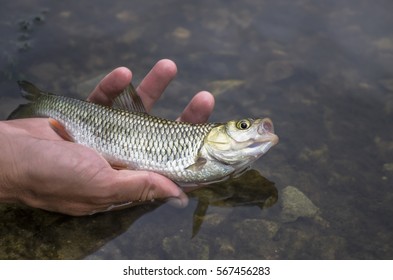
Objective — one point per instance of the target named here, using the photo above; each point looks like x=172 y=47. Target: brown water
x=322 y=70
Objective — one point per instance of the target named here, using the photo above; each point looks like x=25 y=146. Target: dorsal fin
x=129 y=100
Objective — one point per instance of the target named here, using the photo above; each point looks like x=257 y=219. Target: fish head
x=240 y=143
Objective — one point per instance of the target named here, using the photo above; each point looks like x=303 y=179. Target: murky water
x=322 y=70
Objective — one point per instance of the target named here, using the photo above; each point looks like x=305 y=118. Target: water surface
x=322 y=70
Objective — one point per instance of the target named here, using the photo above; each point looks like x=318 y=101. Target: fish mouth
x=262 y=147
x=266 y=137
x=266 y=132
x=266 y=125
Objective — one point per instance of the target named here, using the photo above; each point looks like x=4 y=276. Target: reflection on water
x=251 y=189
x=218 y=211
x=322 y=70
x=34 y=234
x=29 y=233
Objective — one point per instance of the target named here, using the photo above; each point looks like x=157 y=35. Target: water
x=322 y=70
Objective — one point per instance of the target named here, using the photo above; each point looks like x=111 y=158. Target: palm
x=66 y=177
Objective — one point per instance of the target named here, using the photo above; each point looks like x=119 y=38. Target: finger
x=130 y=188
x=199 y=109
x=155 y=82
x=111 y=86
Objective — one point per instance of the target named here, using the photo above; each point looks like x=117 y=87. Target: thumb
x=130 y=188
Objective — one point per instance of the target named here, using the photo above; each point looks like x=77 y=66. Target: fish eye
x=243 y=124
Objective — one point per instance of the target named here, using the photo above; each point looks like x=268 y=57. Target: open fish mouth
x=266 y=137
x=266 y=134
x=264 y=146
x=266 y=126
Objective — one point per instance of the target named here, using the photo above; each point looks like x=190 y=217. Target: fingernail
x=176 y=202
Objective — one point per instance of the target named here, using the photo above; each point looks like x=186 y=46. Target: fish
x=130 y=138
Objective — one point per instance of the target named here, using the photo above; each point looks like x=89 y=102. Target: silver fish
x=129 y=138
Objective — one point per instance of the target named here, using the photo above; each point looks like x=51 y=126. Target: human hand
x=42 y=170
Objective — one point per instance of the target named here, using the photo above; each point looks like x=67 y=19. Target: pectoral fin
x=60 y=129
x=119 y=166
x=116 y=163
x=198 y=165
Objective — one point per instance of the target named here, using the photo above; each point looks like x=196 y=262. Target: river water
x=321 y=70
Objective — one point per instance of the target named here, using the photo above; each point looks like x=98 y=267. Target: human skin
x=40 y=169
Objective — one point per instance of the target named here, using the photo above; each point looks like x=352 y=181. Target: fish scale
x=184 y=152
x=106 y=129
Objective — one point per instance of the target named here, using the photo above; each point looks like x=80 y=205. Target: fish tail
x=31 y=93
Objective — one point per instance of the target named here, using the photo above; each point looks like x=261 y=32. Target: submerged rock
x=296 y=204
x=220 y=86
x=278 y=70
x=181 y=247
x=226 y=249
x=254 y=238
x=181 y=33
x=255 y=229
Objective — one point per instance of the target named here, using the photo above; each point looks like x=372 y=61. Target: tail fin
x=31 y=93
